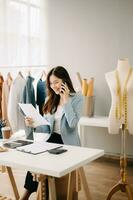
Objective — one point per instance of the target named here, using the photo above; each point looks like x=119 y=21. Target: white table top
x=97 y=121
x=49 y=164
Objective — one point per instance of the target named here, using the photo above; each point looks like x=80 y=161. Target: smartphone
x=61 y=86
x=57 y=151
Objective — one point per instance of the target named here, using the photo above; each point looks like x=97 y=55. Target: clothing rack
x=34 y=70
x=20 y=66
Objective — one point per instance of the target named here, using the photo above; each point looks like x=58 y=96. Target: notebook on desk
x=38 y=147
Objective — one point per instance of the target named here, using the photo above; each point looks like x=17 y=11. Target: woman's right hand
x=29 y=122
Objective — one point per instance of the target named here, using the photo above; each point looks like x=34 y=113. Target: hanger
x=43 y=76
x=29 y=73
x=20 y=73
x=9 y=75
x=9 y=79
x=1 y=79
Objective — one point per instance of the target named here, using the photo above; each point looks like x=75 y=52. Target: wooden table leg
x=84 y=183
x=13 y=183
x=71 y=183
x=52 y=188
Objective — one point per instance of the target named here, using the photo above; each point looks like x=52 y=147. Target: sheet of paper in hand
x=30 y=111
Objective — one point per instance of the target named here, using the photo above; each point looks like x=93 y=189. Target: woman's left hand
x=64 y=93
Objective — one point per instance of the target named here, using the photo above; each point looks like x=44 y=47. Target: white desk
x=51 y=165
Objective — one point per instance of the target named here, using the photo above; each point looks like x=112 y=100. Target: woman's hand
x=64 y=93
x=29 y=122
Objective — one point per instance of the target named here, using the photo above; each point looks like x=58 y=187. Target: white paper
x=38 y=147
x=30 y=111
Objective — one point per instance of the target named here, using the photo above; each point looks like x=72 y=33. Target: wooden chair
x=65 y=188
x=46 y=186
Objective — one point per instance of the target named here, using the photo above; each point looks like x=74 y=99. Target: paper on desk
x=30 y=111
x=38 y=147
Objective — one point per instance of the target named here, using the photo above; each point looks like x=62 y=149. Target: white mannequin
x=123 y=68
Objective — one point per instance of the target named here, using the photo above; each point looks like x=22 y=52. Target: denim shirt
x=72 y=111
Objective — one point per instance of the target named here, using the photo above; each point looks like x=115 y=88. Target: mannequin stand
x=122 y=185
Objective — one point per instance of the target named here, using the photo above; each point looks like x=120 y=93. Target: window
x=21 y=37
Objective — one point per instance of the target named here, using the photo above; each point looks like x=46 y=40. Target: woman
x=62 y=109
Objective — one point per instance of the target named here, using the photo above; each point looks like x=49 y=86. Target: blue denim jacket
x=69 y=121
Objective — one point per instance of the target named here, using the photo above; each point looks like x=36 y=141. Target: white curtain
x=22 y=33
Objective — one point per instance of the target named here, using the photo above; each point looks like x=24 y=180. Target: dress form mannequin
x=120 y=83
x=123 y=68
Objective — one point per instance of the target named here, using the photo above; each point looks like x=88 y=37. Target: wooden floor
x=101 y=176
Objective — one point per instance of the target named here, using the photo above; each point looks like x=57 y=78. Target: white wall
x=89 y=36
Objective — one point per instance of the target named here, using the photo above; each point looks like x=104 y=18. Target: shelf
x=96 y=121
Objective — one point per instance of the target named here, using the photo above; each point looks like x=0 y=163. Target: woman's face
x=55 y=84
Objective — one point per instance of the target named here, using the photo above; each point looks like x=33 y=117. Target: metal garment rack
x=25 y=69
x=26 y=66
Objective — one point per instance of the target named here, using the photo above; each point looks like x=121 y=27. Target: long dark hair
x=53 y=98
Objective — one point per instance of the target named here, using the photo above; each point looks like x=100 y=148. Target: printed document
x=38 y=147
x=30 y=111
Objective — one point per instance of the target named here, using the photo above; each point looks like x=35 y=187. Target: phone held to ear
x=62 y=89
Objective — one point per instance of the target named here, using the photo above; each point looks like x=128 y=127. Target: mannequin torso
x=121 y=112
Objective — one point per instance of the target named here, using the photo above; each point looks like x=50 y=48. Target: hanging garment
x=16 y=118
x=28 y=96
x=5 y=96
x=41 y=94
x=1 y=84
